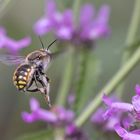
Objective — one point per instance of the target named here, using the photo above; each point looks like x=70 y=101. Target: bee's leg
x=35 y=89
x=32 y=90
x=46 y=88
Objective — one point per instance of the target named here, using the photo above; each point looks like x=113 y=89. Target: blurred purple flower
x=137 y=89
x=58 y=115
x=74 y=133
x=71 y=99
x=106 y=125
x=107 y=119
x=115 y=107
x=38 y=113
x=133 y=135
x=118 y=112
x=127 y=115
x=62 y=24
x=12 y=45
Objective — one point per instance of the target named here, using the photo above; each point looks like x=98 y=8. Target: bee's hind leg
x=32 y=90
x=45 y=88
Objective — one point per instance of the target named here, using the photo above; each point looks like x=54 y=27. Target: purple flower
x=58 y=115
x=106 y=125
x=38 y=113
x=74 y=133
x=137 y=89
x=126 y=114
x=134 y=135
x=11 y=44
x=55 y=21
x=71 y=99
x=90 y=28
x=115 y=107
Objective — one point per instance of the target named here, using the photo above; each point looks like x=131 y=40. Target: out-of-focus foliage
x=42 y=135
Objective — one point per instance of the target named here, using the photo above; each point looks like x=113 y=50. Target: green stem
x=133 y=24
x=117 y=79
x=3 y=4
x=66 y=81
x=76 y=7
x=67 y=78
x=83 y=56
x=130 y=38
x=59 y=134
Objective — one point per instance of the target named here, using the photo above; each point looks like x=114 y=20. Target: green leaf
x=41 y=135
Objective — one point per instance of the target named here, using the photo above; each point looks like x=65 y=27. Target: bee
x=30 y=74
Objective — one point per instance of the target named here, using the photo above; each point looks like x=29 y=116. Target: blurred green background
x=18 y=17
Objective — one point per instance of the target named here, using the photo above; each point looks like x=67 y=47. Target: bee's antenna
x=51 y=44
x=41 y=42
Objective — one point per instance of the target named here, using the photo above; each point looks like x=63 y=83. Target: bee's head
x=39 y=57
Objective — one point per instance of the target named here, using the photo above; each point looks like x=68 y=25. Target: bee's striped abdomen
x=21 y=76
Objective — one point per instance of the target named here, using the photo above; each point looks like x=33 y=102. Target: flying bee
x=31 y=71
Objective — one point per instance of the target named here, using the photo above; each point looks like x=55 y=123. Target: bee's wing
x=11 y=59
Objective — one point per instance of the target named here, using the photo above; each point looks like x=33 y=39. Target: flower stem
x=130 y=38
x=84 y=57
x=59 y=134
x=134 y=23
x=3 y=4
x=76 y=7
x=67 y=77
x=113 y=83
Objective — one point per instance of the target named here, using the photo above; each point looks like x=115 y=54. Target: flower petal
x=65 y=115
x=71 y=99
x=50 y=8
x=111 y=122
x=43 y=26
x=103 y=15
x=68 y=18
x=17 y=45
x=29 y=118
x=125 y=107
x=137 y=89
x=86 y=15
x=2 y=41
x=109 y=113
x=127 y=121
x=64 y=33
x=120 y=131
x=34 y=104
x=136 y=103
x=108 y=101
x=2 y=31
x=46 y=116
x=98 y=31
x=126 y=135
x=97 y=117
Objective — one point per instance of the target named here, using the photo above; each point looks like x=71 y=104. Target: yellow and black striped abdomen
x=21 y=76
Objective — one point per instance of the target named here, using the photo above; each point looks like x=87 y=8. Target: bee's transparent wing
x=11 y=59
